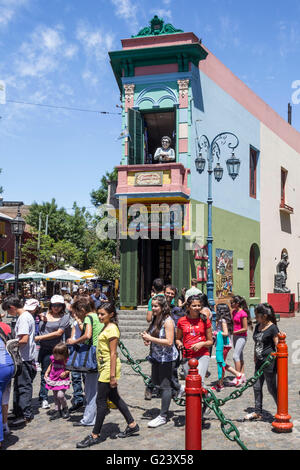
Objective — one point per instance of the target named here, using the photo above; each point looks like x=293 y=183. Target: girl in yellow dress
x=109 y=367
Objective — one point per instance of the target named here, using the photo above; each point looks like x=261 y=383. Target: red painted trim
x=155 y=41
x=155 y=69
x=225 y=79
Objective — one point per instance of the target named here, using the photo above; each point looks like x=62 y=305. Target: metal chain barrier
x=135 y=365
x=211 y=401
x=250 y=382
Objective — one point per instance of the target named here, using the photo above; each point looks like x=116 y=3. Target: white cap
x=57 y=299
x=31 y=304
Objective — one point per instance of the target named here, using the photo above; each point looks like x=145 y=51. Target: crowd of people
x=46 y=341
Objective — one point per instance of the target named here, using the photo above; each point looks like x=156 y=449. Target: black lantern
x=233 y=166
x=18 y=225
x=218 y=172
x=200 y=163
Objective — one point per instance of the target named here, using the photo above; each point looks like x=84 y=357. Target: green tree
x=61 y=225
x=34 y=259
x=99 y=196
x=106 y=268
x=51 y=255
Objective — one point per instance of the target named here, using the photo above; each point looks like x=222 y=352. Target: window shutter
x=136 y=141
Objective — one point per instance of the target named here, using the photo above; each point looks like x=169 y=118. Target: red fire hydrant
x=193 y=408
x=282 y=418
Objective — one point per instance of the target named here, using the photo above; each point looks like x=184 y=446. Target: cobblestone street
x=61 y=435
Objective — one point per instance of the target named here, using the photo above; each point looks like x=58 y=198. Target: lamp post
x=17 y=228
x=212 y=150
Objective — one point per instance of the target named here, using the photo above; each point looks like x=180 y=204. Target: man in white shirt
x=193 y=290
x=24 y=332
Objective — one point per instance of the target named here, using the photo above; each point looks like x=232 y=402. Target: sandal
x=253 y=417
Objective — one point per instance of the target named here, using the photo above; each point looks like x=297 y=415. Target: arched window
x=254 y=257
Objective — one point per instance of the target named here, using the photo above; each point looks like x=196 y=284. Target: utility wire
x=61 y=107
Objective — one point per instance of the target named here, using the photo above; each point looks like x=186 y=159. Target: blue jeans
x=77 y=388
x=44 y=360
x=6 y=373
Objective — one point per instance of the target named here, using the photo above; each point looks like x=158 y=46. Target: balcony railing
x=285 y=208
x=153 y=181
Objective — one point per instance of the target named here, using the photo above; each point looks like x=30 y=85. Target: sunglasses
x=57 y=305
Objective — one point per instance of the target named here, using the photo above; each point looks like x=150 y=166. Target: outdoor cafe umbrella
x=62 y=276
x=31 y=276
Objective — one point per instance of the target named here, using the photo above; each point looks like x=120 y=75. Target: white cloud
x=289 y=38
x=90 y=78
x=166 y=15
x=9 y=9
x=127 y=10
x=228 y=33
x=43 y=52
x=95 y=42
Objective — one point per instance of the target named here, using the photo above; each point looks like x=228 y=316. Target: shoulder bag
x=82 y=357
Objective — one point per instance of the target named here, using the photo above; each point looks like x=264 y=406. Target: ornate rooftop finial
x=156 y=28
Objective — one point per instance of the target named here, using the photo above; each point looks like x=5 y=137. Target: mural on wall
x=224 y=273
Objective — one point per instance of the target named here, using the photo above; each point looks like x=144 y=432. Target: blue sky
x=55 y=52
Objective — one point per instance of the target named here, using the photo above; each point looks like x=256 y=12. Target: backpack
x=12 y=347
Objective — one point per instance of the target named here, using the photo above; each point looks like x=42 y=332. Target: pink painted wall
x=155 y=41
x=226 y=80
x=156 y=69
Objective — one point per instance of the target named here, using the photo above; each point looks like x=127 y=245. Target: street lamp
x=211 y=150
x=17 y=229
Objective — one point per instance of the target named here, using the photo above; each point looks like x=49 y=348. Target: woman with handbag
x=109 y=367
x=88 y=322
x=53 y=327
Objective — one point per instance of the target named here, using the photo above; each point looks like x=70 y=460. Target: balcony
x=285 y=208
x=164 y=180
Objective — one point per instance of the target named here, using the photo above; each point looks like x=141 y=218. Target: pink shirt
x=237 y=318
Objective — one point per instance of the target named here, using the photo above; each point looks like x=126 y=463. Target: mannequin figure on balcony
x=165 y=153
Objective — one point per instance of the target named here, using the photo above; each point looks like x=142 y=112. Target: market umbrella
x=62 y=275
x=31 y=276
x=5 y=276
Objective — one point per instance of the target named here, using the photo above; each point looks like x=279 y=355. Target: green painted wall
x=236 y=233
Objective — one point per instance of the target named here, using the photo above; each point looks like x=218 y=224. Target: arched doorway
x=253 y=263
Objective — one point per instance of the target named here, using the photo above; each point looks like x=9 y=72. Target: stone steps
x=132 y=323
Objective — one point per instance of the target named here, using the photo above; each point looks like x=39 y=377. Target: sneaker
x=243 y=379
x=233 y=382
x=181 y=392
x=56 y=415
x=217 y=388
x=45 y=405
x=65 y=413
x=88 y=442
x=75 y=407
x=38 y=367
x=20 y=422
x=129 y=431
x=239 y=381
x=159 y=421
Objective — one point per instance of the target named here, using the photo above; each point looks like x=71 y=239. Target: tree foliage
x=99 y=196
x=106 y=268
x=51 y=255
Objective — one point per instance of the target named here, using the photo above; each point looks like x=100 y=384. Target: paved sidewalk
x=61 y=435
